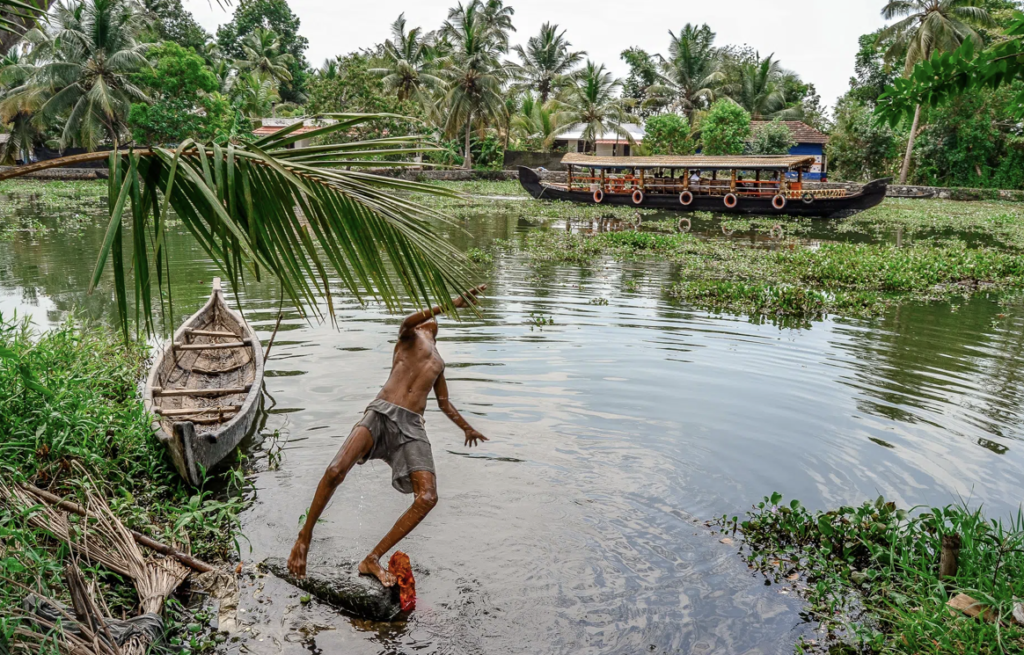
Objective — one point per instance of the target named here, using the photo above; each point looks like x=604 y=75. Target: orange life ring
x=731 y=200
x=598 y=196
x=779 y=201
x=638 y=197
x=685 y=198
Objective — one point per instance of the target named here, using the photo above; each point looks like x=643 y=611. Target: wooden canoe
x=204 y=387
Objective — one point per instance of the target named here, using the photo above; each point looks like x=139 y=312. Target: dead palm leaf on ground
x=102 y=539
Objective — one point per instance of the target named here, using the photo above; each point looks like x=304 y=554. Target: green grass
x=870 y=574
x=89 y=412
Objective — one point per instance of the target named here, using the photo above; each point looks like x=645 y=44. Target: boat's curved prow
x=874 y=192
x=530 y=181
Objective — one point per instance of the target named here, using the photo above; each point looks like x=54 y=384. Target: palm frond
x=263 y=208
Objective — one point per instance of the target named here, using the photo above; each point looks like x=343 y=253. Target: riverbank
x=878 y=579
x=70 y=401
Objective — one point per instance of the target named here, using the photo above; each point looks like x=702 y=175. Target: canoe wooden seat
x=189 y=411
x=212 y=346
x=227 y=391
x=210 y=333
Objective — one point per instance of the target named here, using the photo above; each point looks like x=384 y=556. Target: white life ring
x=598 y=196
x=685 y=198
x=638 y=197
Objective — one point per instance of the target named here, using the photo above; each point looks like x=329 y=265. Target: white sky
x=815 y=38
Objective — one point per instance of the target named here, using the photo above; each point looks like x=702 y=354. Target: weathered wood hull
x=206 y=394
x=342 y=586
x=869 y=196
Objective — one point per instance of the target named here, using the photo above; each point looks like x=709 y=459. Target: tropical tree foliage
x=773 y=138
x=261 y=54
x=186 y=100
x=409 y=63
x=668 y=134
x=170 y=21
x=547 y=63
x=276 y=16
x=17 y=17
x=691 y=74
x=88 y=55
x=926 y=27
x=643 y=73
x=594 y=104
x=725 y=129
x=538 y=124
x=474 y=74
x=859 y=148
x=760 y=88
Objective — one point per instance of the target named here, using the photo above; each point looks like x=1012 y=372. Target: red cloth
x=400 y=566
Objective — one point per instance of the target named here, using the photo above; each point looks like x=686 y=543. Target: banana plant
x=267 y=208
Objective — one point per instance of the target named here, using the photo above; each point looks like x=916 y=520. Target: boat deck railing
x=627 y=184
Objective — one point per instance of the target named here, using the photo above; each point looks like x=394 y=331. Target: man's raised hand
x=472 y=436
x=460 y=302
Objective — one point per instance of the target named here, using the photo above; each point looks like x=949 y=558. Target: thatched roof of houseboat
x=698 y=162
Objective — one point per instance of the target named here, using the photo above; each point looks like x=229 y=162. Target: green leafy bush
x=870 y=573
x=773 y=138
x=186 y=102
x=668 y=134
x=725 y=129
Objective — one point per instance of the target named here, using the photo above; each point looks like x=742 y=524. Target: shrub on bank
x=72 y=396
x=871 y=574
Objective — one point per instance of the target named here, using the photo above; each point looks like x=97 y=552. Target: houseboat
x=766 y=186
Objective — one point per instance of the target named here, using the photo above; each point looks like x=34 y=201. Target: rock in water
x=362 y=596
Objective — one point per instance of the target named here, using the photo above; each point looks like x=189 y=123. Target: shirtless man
x=392 y=430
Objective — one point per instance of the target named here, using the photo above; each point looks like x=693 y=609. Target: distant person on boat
x=392 y=431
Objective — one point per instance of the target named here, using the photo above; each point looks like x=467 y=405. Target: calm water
x=615 y=432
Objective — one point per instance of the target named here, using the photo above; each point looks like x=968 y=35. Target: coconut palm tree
x=254 y=95
x=261 y=54
x=760 y=89
x=19 y=103
x=88 y=54
x=593 y=103
x=472 y=71
x=689 y=78
x=539 y=122
x=408 y=69
x=498 y=17
x=926 y=27
x=547 y=63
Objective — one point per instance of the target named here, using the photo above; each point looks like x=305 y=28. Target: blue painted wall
x=815 y=149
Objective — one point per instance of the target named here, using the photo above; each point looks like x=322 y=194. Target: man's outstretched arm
x=412 y=321
x=441 y=392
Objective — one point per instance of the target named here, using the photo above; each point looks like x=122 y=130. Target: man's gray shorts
x=400 y=440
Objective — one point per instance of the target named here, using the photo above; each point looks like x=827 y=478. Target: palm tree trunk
x=910 y=146
x=468 y=163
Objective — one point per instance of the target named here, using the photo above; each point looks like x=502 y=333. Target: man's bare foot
x=371 y=566
x=297 y=559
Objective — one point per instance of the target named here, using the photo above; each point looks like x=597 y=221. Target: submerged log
x=342 y=586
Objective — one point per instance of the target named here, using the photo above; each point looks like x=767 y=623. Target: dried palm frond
x=102 y=539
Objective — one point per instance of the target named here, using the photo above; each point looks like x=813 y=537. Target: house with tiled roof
x=809 y=141
x=270 y=126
